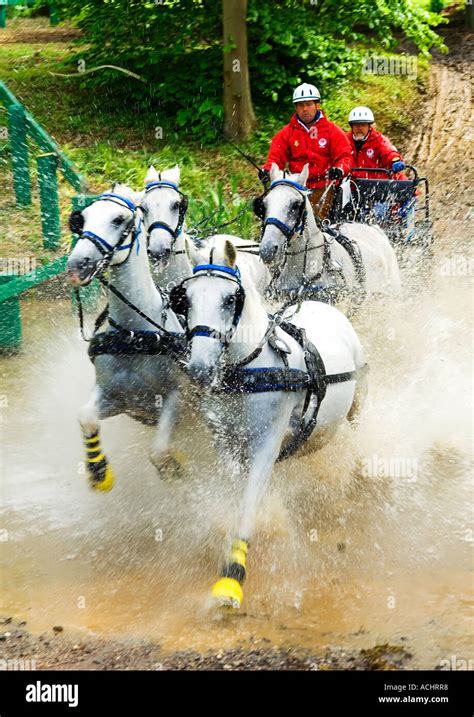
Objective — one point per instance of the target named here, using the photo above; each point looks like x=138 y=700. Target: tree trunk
x=470 y=15
x=239 y=117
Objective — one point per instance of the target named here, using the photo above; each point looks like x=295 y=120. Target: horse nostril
x=80 y=271
x=268 y=252
x=162 y=256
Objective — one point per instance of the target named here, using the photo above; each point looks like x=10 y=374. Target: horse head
x=164 y=208
x=107 y=230
x=212 y=302
x=284 y=210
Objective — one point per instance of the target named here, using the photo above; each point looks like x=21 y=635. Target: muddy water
x=366 y=542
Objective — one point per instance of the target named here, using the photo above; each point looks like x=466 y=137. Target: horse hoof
x=170 y=467
x=227 y=592
x=105 y=484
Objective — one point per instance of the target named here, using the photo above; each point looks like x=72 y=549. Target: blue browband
x=290 y=183
x=160 y=183
x=217 y=267
x=126 y=201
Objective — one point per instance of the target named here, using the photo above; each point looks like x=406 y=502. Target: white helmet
x=361 y=114
x=306 y=92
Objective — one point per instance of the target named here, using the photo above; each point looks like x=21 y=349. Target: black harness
x=353 y=250
x=122 y=342
x=310 y=288
x=239 y=379
x=243 y=380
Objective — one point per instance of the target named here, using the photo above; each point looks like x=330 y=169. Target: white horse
x=135 y=371
x=164 y=207
x=302 y=257
x=266 y=385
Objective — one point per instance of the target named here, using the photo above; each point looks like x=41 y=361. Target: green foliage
x=176 y=47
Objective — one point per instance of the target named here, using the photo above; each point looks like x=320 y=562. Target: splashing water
x=367 y=540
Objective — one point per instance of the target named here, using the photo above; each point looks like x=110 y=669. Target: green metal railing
x=53 y=10
x=23 y=130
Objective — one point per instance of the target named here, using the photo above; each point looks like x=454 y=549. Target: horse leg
x=227 y=591
x=99 y=472
x=360 y=395
x=167 y=462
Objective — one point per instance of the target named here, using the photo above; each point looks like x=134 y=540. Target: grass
x=110 y=144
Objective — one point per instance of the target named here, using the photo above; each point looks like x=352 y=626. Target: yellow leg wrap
x=228 y=591
x=238 y=552
x=100 y=474
x=106 y=484
x=180 y=457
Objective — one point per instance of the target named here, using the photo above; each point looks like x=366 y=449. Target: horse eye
x=175 y=206
x=294 y=206
x=118 y=221
x=229 y=301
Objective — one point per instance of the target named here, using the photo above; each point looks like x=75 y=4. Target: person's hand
x=335 y=173
x=264 y=175
x=398 y=165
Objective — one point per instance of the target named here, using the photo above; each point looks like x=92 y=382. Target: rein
x=105 y=314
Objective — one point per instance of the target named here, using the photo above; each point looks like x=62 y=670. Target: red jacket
x=323 y=145
x=376 y=151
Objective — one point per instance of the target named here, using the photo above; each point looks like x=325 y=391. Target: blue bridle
x=178 y=294
x=100 y=242
x=182 y=209
x=209 y=268
x=287 y=231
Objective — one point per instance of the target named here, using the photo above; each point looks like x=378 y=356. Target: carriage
x=391 y=203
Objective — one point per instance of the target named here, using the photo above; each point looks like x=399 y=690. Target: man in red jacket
x=311 y=138
x=371 y=148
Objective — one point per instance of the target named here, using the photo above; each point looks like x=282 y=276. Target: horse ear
x=192 y=252
x=230 y=253
x=274 y=172
x=151 y=175
x=303 y=176
x=172 y=175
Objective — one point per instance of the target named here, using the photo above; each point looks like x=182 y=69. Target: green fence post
x=10 y=321
x=90 y=295
x=19 y=152
x=3 y=16
x=53 y=14
x=49 y=200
